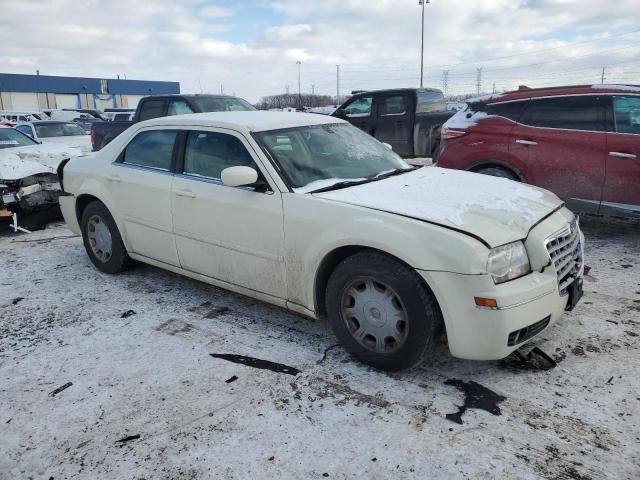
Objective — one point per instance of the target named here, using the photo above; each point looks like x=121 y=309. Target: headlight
x=508 y=262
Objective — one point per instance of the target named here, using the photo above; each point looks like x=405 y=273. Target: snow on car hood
x=22 y=162
x=494 y=209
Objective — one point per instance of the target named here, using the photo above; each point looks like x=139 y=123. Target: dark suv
x=580 y=142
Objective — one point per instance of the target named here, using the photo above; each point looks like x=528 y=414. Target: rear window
x=59 y=130
x=572 y=113
x=221 y=104
x=430 y=101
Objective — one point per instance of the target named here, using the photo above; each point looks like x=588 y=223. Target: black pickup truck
x=408 y=119
x=165 y=105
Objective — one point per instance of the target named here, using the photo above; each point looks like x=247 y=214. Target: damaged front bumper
x=29 y=194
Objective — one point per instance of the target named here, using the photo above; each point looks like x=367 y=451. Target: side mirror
x=239 y=176
x=340 y=113
x=387 y=145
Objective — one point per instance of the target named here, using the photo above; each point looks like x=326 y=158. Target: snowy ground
x=150 y=373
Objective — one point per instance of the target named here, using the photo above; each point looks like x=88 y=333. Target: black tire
x=118 y=260
x=498 y=172
x=423 y=317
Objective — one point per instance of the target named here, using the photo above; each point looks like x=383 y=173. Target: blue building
x=38 y=92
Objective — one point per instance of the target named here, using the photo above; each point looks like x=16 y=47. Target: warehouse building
x=39 y=92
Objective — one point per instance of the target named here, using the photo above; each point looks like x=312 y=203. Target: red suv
x=581 y=142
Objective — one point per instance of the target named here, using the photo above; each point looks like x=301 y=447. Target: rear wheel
x=102 y=240
x=381 y=312
x=498 y=172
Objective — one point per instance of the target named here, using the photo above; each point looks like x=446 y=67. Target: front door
x=231 y=234
x=394 y=122
x=622 y=186
x=140 y=183
x=562 y=142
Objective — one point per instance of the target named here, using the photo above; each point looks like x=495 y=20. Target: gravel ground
x=145 y=399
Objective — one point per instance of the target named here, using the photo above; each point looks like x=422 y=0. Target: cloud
x=252 y=49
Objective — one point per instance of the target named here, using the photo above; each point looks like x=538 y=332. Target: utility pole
x=602 y=79
x=422 y=2
x=445 y=81
x=494 y=87
x=313 y=89
x=299 y=63
x=221 y=92
x=479 y=79
x=286 y=89
x=338 y=84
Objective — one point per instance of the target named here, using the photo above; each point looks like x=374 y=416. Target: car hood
x=22 y=162
x=496 y=210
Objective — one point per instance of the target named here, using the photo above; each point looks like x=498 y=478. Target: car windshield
x=59 y=130
x=318 y=156
x=222 y=104
x=10 y=138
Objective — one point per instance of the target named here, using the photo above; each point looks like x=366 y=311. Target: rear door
x=562 y=143
x=622 y=185
x=140 y=180
x=394 y=121
x=359 y=112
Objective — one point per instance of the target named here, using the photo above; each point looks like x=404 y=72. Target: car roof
x=252 y=121
x=396 y=90
x=524 y=93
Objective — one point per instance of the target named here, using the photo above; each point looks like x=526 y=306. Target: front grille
x=526 y=333
x=565 y=251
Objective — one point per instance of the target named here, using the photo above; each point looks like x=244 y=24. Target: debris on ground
x=128 y=438
x=535 y=359
x=257 y=363
x=127 y=314
x=231 y=379
x=326 y=350
x=475 y=396
x=60 y=389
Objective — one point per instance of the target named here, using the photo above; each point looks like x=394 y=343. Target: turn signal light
x=486 y=302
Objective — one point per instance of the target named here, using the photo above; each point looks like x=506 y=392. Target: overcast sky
x=251 y=48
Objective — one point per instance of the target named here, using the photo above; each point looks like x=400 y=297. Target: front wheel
x=498 y=172
x=381 y=312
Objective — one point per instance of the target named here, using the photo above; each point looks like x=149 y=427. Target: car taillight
x=449 y=133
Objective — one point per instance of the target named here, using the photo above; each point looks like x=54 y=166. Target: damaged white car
x=312 y=214
x=28 y=177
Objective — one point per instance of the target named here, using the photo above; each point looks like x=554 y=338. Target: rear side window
x=151 y=109
x=430 y=101
x=392 y=105
x=573 y=113
x=153 y=149
x=511 y=110
x=208 y=153
x=626 y=112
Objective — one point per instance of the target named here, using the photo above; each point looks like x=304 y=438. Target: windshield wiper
x=351 y=183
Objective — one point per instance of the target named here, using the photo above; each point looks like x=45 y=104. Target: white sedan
x=53 y=131
x=309 y=213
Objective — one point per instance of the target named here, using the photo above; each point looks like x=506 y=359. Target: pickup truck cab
x=163 y=106
x=408 y=119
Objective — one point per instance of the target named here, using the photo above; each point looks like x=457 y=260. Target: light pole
x=299 y=63
x=422 y=2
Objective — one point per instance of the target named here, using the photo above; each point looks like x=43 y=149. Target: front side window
x=360 y=107
x=430 y=101
x=152 y=149
x=392 y=105
x=26 y=129
x=59 y=130
x=323 y=154
x=208 y=153
x=10 y=138
x=151 y=109
x=178 y=107
x=626 y=113
x=573 y=113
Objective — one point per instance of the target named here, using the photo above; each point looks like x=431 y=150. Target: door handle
x=622 y=155
x=526 y=142
x=114 y=178
x=185 y=193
